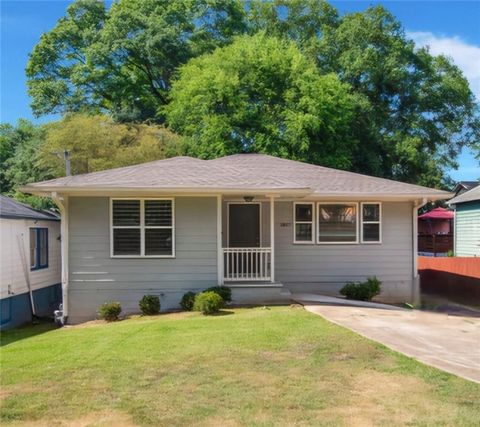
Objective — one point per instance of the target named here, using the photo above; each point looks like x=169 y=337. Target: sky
x=448 y=27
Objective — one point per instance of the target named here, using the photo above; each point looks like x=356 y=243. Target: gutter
x=416 y=279
x=62 y=203
x=214 y=191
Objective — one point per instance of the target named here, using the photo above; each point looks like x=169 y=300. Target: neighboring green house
x=467 y=222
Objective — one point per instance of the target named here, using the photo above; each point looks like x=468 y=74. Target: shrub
x=149 y=304
x=208 y=302
x=110 y=311
x=223 y=291
x=362 y=291
x=187 y=301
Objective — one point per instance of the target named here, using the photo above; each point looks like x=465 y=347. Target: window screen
x=337 y=223
x=303 y=223
x=371 y=222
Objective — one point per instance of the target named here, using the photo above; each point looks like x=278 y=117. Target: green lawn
x=278 y=366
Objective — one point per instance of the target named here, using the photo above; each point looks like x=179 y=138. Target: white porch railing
x=247 y=264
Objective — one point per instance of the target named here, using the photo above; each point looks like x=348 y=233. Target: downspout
x=62 y=203
x=416 y=280
x=220 y=257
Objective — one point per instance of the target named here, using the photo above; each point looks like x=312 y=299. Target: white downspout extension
x=272 y=239
x=220 y=277
x=416 y=280
x=62 y=203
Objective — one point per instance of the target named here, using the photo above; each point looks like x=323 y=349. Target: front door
x=244 y=225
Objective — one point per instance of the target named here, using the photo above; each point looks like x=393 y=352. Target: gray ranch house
x=267 y=227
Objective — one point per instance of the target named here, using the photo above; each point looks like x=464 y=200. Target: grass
x=255 y=367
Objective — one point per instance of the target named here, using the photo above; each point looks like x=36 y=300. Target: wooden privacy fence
x=456 y=278
x=435 y=243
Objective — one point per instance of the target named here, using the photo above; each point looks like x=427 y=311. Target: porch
x=248 y=236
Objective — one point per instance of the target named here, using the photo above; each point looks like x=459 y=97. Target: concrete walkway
x=451 y=343
x=306 y=299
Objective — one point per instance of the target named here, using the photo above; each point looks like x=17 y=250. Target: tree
x=60 y=74
x=121 y=60
x=96 y=143
x=421 y=109
x=31 y=153
x=260 y=94
x=415 y=111
x=19 y=146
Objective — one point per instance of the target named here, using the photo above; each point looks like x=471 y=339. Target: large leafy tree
x=30 y=153
x=260 y=94
x=422 y=111
x=121 y=60
x=19 y=146
x=417 y=113
x=96 y=142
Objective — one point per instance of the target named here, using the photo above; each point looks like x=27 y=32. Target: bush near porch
x=275 y=366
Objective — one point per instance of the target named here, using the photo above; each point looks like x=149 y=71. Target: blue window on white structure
x=38 y=248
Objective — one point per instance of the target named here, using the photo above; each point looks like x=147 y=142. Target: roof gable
x=10 y=208
x=467 y=196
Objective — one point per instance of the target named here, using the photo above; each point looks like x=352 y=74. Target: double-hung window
x=142 y=228
x=337 y=223
x=371 y=222
x=303 y=228
x=38 y=248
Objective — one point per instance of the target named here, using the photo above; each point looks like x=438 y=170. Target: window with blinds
x=142 y=228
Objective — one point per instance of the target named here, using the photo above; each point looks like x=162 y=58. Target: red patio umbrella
x=437 y=213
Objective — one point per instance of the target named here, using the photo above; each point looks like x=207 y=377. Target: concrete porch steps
x=258 y=293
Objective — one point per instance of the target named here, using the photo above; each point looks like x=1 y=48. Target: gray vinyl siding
x=326 y=268
x=95 y=277
x=467 y=229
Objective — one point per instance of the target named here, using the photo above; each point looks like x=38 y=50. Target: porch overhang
x=283 y=193
x=115 y=191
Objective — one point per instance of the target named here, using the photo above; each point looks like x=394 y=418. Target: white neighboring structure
x=30 y=265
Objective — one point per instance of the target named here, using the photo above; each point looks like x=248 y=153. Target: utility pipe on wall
x=62 y=203
x=417 y=204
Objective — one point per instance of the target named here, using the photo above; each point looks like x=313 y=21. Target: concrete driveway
x=451 y=343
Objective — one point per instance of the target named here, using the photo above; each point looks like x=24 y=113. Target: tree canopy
x=121 y=60
x=260 y=94
x=414 y=111
x=30 y=153
x=96 y=142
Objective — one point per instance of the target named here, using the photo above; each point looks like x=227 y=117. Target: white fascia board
x=137 y=191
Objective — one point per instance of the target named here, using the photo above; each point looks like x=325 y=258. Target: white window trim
x=36 y=249
x=379 y=222
x=357 y=230
x=295 y=222
x=34 y=266
x=142 y=227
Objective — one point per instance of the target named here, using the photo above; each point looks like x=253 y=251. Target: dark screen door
x=244 y=226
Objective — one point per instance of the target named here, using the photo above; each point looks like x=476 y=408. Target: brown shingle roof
x=240 y=171
x=467 y=196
